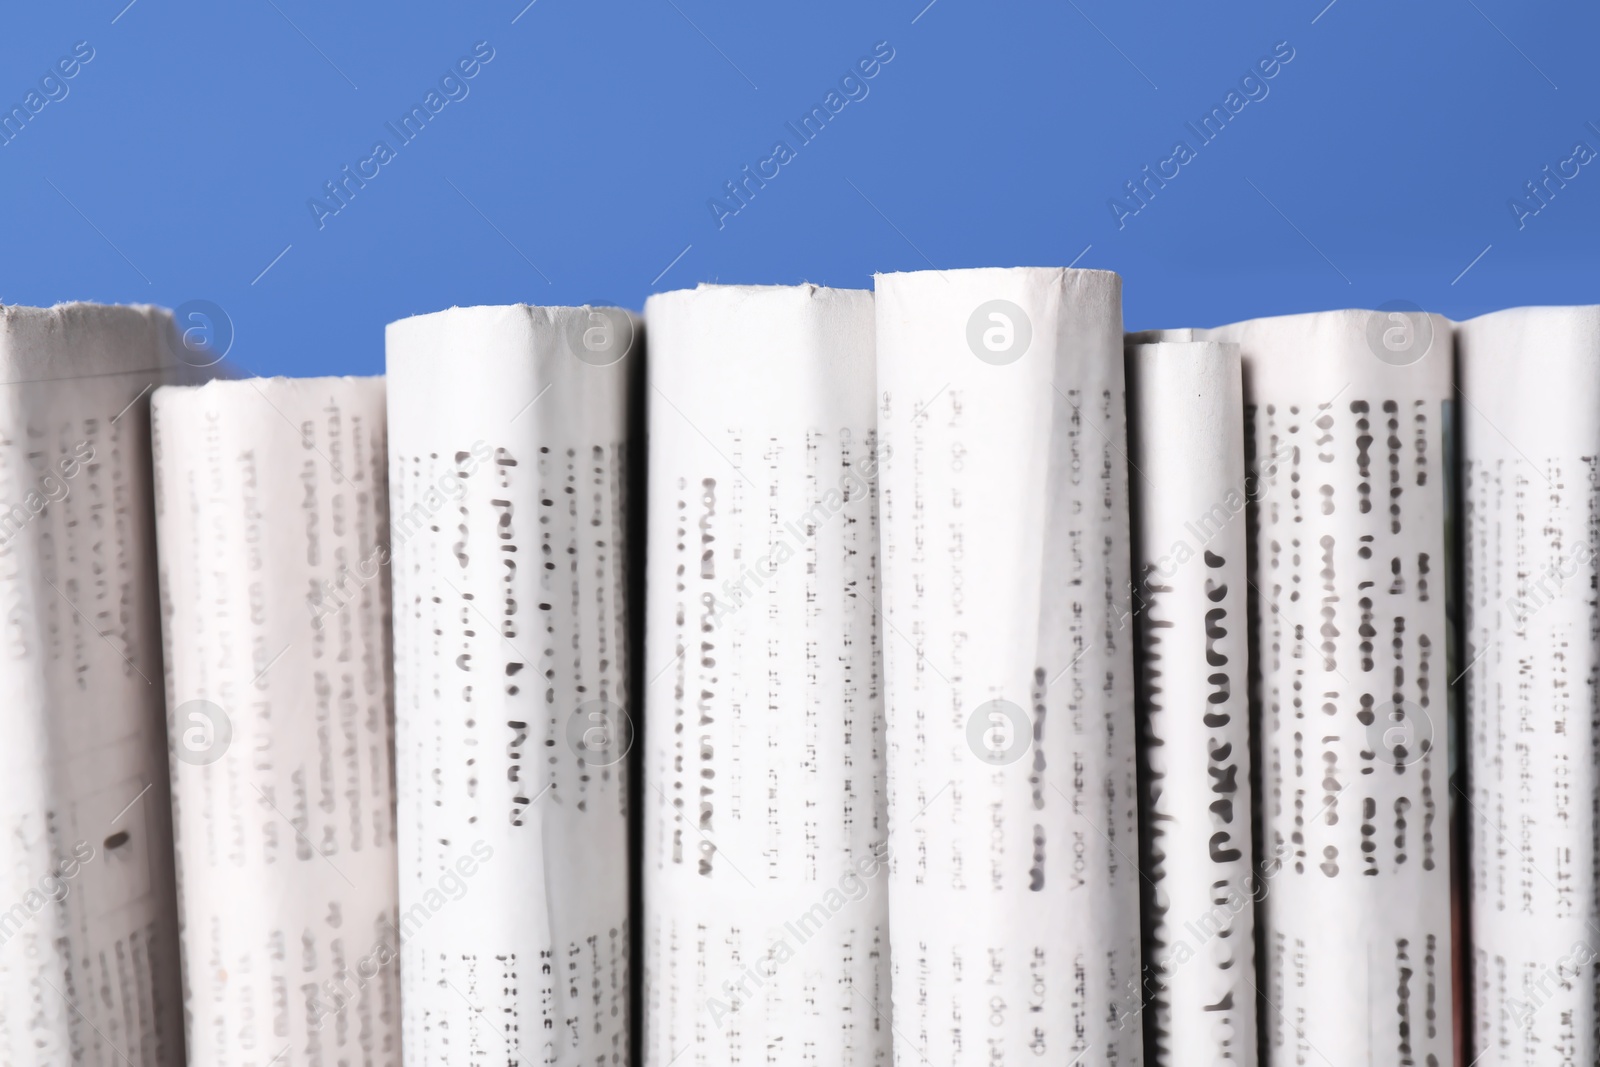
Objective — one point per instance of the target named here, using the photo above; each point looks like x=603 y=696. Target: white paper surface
x=1008 y=644
x=766 y=938
x=1530 y=382
x=88 y=928
x=1186 y=440
x=1346 y=414
x=507 y=449
x=272 y=511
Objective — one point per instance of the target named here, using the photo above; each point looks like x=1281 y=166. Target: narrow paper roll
x=1008 y=649
x=508 y=462
x=272 y=510
x=766 y=936
x=88 y=918
x=1530 y=448
x=1346 y=420
x=1191 y=579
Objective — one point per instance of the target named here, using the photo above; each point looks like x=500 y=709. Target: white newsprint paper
x=1008 y=642
x=88 y=920
x=1346 y=418
x=507 y=471
x=1530 y=480
x=765 y=834
x=1186 y=438
x=272 y=511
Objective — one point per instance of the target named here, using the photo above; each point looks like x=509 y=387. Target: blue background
x=579 y=168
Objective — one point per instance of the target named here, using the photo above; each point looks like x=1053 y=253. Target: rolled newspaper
x=1530 y=487
x=1008 y=660
x=1192 y=592
x=1346 y=418
x=507 y=466
x=765 y=836
x=88 y=917
x=272 y=513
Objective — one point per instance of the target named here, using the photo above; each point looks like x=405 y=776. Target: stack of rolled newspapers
x=789 y=675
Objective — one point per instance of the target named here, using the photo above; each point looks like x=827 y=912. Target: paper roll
x=88 y=920
x=1008 y=658
x=272 y=511
x=507 y=450
x=1346 y=421
x=1186 y=442
x=766 y=921
x=1530 y=448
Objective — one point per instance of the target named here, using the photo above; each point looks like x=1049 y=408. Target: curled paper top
x=81 y=340
x=781 y=354
x=1322 y=352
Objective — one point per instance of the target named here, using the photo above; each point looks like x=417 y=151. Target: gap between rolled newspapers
x=853 y=886
x=336 y=993
x=1205 y=527
x=1203 y=928
x=1000 y=733
x=329 y=598
x=205 y=729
